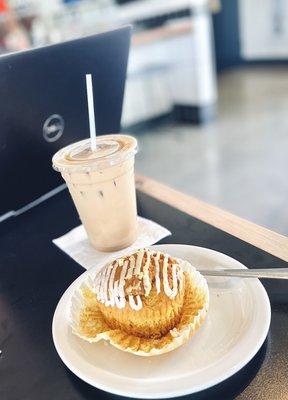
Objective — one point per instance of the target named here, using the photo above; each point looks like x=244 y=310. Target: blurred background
x=206 y=94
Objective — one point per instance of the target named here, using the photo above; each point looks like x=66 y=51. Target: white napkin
x=75 y=243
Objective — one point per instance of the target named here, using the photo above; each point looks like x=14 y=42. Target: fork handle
x=267 y=273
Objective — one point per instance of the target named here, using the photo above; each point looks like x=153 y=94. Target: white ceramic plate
x=235 y=328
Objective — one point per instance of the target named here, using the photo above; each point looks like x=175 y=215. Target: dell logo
x=53 y=128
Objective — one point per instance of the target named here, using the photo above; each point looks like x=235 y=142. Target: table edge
x=256 y=235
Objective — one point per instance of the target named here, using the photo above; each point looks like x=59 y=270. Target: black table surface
x=34 y=273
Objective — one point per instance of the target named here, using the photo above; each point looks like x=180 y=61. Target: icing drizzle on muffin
x=129 y=278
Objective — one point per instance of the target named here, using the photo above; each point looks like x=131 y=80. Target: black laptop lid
x=43 y=107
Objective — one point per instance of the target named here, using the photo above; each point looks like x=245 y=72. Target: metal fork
x=267 y=273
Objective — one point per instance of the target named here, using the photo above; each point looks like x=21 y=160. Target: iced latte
x=101 y=184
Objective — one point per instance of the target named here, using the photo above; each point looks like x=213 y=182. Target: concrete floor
x=240 y=161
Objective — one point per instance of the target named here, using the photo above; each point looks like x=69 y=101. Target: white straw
x=90 y=99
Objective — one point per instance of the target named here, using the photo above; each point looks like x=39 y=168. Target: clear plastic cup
x=102 y=187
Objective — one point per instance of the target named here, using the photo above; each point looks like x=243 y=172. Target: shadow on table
x=228 y=389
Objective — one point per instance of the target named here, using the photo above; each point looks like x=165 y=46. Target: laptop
x=43 y=107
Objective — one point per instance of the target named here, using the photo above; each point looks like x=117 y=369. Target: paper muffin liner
x=88 y=323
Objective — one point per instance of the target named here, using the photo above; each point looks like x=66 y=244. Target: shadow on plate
x=228 y=389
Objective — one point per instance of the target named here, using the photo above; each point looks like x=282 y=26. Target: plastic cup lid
x=111 y=150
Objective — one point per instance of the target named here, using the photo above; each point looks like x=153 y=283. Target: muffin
x=146 y=303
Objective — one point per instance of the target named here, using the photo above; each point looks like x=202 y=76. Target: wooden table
x=263 y=238
x=34 y=273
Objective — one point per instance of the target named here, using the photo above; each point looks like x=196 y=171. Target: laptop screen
x=43 y=107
